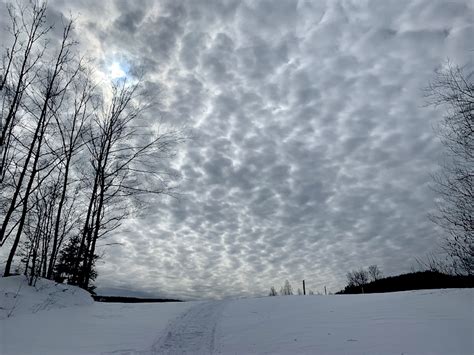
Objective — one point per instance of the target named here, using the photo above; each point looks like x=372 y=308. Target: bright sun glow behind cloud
x=116 y=71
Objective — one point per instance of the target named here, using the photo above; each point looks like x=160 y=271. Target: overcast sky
x=312 y=148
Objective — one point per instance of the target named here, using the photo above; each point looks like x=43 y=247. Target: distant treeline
x=131 y=299
x=412 y=281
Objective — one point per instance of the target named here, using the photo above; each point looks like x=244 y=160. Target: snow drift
x=17 y=298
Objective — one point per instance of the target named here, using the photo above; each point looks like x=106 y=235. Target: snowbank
x=57 y=319
x=17 y=298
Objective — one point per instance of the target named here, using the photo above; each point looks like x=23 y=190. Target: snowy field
x=60 y=319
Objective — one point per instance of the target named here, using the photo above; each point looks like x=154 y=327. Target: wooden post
x=304 y=288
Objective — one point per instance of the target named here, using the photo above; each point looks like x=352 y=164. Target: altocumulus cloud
x=313 y=149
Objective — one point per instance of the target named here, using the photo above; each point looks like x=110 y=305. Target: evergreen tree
x=69 y=257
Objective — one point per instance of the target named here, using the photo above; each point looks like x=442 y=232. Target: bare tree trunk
x=42 y=124
x=33 y=33
x=99 y=215
x=85 y=234
x=69 y=146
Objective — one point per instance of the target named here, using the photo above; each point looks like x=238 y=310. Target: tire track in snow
x=193 y=332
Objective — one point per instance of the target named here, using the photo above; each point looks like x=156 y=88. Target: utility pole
x=304 y=288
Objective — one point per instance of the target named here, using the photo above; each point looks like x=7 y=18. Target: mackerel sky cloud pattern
x=312 y=146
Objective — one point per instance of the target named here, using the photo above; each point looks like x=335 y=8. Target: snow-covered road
x=193 y=332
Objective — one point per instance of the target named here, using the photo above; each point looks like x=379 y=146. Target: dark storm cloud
x=313 y=149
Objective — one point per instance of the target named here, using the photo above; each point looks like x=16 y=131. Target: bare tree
x=19 y=70
x=357 y=277
x=71 y=127
x=38 y=231
x=374 y=273
x=20 y=67
x=286 y=289
x=435 y=262
x=273 y=292
x=43 y=105
x=453 y=90
x=76 y=158
x=126 y=163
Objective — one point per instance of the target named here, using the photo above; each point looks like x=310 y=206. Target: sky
x=312 y=147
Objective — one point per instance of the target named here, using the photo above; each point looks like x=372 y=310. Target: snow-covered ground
x=17 y=298
x=416 y=322
x=77 y=325
x=60 y=319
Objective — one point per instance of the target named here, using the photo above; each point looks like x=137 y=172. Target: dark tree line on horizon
x=427 y=279
x=75 y=157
